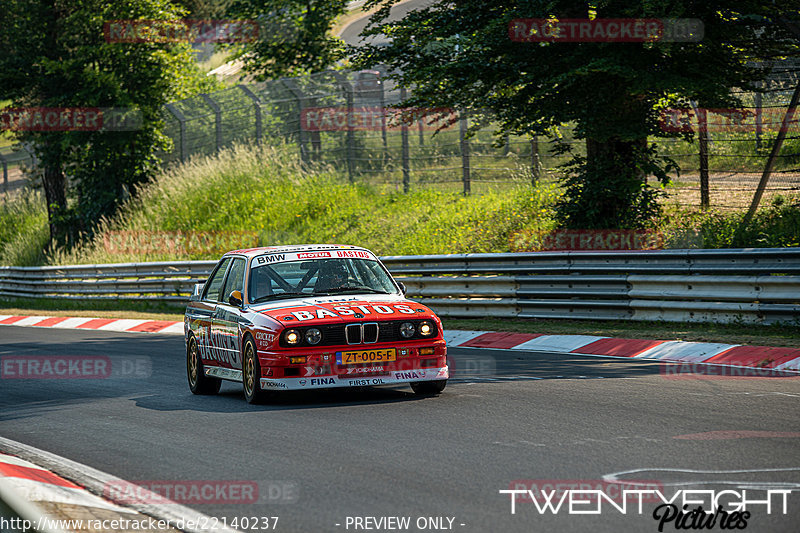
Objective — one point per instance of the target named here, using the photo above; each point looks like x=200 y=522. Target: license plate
x=366 y=356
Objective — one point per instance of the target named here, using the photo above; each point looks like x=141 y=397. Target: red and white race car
x=309 y=317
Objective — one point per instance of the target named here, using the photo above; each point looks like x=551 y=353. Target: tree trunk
x=615 y=167
x=55 y=192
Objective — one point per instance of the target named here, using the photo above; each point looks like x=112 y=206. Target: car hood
x=344 y=308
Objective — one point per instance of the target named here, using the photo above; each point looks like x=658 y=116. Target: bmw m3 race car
x=309 y=317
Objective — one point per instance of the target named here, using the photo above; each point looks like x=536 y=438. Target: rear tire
x=199 y=383
x=428 y=388
x=251 y=374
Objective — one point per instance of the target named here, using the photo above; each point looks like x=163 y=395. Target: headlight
x=407 y=330
x=313 y=336
x=425 y=328
x=292 y=336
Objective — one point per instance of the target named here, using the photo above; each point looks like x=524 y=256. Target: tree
x=56 y=55
x=294 y=38
x=460 y=54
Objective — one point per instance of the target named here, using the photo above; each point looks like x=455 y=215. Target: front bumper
x=335 y=381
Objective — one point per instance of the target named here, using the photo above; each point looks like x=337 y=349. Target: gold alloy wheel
x=249 y=369
x=192 y=362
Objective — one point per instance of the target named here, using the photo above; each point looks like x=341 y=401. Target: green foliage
x=460 y=55
x=774 y=226
x=56 y=55
x=612 y=192
x=264 y=190
x=294 y=38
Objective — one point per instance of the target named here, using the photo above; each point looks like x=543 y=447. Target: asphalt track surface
x=351 y=33
x=385 y=452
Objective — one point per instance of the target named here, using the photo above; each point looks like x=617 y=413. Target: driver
x=332 y=275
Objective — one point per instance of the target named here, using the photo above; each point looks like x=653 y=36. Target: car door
x=225 y=322
x=203 y=311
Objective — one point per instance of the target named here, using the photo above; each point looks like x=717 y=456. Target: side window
x=214 y=284
x=235 y=281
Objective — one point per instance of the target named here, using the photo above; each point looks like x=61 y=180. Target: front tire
x=199 y=383
x=251 y=374
x=428 y=388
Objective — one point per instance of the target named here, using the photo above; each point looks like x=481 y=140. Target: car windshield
x=319 y=277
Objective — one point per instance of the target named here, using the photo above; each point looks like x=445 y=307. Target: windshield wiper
x=360 y=288
x=278 y=296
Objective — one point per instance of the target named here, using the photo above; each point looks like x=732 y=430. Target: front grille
x=341 y=335
x=371 y=333
x=352 y=333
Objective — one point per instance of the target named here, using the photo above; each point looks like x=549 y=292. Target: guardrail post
x=183 y=148
x=464 y=144
x=404 y=146
x=217 y=119
x=256 y=107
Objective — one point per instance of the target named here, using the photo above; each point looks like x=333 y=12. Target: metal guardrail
x=746 y=285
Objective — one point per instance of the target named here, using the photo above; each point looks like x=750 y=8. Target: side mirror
x=197 y=290
x=235 y=298
x=402 y=287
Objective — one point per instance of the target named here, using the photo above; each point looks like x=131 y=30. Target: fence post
x=257 y=107
x=217 y=119
x=350 y=140
x=383 y=125
x=464 y=144
x=182 y=129
x=5 y=178
x=404 y=146
x=776 y=148
x=759 y=104
x=536 y=163
x=298 y=95
x=702 y=137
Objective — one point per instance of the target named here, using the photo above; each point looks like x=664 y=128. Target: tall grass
x=23 y=229
x=266 y=191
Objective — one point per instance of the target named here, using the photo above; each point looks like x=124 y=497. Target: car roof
x=252 y=252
